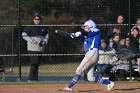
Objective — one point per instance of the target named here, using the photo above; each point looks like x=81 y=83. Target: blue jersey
x=92 y=40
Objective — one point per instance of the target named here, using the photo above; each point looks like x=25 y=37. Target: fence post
x=19 y=39
x=129 y=24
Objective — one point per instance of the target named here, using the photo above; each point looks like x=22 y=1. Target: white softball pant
x=90 y=59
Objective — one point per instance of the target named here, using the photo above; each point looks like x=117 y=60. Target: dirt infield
x=79 y=88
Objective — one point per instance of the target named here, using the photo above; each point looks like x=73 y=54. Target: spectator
x=122 y=66
x=106 y=59
x=134 y=40
x=138 y=26
x=37 y=38
x=114 y=42
x=119 y=32
x=119 y=27
x=120 y=19
x=137 y=23
x=134 y=43
x=116 y=30
x=126 y=43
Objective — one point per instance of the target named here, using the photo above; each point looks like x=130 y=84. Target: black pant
x=122 y=74
x=34 y=63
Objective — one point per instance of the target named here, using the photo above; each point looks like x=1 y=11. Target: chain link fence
x=62 y=54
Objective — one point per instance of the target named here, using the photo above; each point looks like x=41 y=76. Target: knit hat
x=37 y=14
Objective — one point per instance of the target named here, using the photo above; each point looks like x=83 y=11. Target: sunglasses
x=36 y=19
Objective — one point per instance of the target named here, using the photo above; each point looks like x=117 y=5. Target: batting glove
x=72 y=35
x=77 y=34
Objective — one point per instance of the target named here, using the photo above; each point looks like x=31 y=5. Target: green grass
x=65 y=69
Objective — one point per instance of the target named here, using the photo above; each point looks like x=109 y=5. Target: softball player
x=91 y=48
